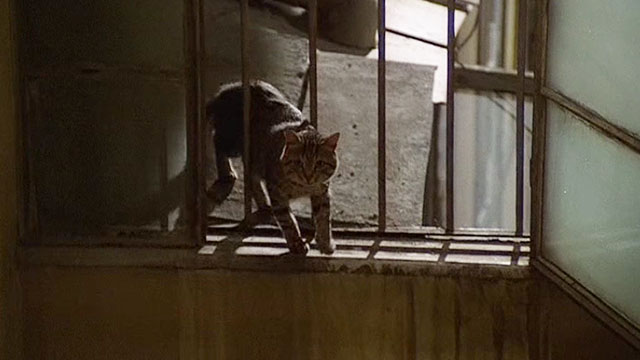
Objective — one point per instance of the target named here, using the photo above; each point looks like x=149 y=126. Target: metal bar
x=539 y=130
x=313 y=62
x=449 y=226
x=522 y=59
x=163 y=172
x=195 y=200
x=244 y=23
x=418 y=234
x=593 y=119
x=416 y=38
x=461 y=5
x=382 y=145
x=201 y=208
x=483 y=78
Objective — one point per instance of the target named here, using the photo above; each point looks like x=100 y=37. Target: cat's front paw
x=326 y=247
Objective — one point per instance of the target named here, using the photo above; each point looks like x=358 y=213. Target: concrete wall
x=102 y=313
x=128 y=313
x=9 y=295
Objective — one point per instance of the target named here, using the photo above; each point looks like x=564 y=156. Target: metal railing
x=520 y=88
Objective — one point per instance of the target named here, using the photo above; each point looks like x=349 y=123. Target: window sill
x=435 y=255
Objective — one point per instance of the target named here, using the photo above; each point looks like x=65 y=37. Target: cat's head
x=309 y=158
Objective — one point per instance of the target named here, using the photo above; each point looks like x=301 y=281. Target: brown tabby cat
x=288 y=155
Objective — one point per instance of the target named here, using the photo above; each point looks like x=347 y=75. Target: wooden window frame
x=608 y=316
x=190 y=75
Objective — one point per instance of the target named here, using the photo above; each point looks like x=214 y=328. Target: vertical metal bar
x=196 y=199
x=449 y=226
x=313 y=62
x=522 y=59
x=201 y=126
x=539 y=130
x=382 y=114
x=163 y=173
x=244 y=23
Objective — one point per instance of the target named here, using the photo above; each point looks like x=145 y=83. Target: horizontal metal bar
x=593 y=119
x=460 y=5
x=390 y=233
x=416 y=38
x=481 y=78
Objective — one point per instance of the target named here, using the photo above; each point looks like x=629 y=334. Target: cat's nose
x=308 y=177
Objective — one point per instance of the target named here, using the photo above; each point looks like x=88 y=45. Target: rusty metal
x=522 y=59
x=201 y=126
x=244 y=23
x=539 y=130
x=416 y=38
x=313 y=62
x=195 y=199
x=163 y=170
x=449 y=225
x=382 y=114
x=482 y=78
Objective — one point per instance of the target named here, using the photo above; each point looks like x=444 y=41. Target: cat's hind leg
x=223 y=185
x=263 y=215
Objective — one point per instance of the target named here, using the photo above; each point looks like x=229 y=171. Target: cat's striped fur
x=288 y=156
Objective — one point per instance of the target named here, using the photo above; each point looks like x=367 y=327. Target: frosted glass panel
x=592 y=210
x=594 y=56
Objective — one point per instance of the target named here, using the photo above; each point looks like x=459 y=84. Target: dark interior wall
x=10 y=335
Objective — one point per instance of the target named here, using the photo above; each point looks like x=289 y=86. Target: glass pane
x=592 y=210
x=144 y=32
x=485 y=160
x=594 y=56
x=109 y=153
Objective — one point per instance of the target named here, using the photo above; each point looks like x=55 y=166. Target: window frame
x=543 y=94
x=188 y=75
x=192 y=76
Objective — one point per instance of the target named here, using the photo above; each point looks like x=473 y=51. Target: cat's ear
x=331 y=141
x=291 y=138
